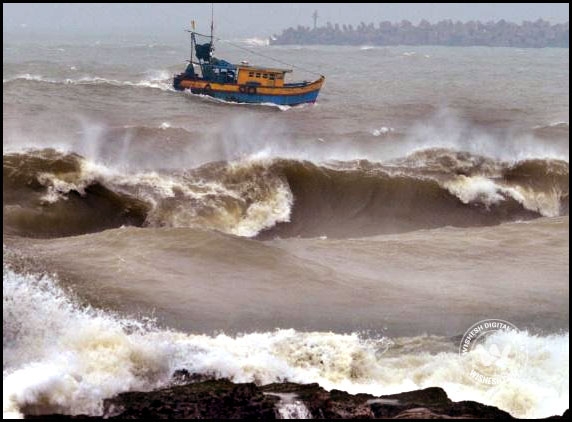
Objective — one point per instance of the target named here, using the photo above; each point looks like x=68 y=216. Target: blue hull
x=289 y=100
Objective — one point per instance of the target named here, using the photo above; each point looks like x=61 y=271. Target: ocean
x=351 y=242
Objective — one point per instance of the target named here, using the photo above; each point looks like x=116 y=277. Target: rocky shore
x=196 y=397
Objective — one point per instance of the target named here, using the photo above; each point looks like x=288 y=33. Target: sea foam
x=62 y=357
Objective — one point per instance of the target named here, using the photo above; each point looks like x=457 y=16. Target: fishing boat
x=241 y=83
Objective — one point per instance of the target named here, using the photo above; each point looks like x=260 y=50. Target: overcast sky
x=248 y=19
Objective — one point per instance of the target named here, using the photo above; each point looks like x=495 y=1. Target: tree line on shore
x=539 y=33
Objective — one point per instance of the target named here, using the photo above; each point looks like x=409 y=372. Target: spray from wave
x=254 y=42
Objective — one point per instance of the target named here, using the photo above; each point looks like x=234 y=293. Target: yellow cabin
x=261 y=76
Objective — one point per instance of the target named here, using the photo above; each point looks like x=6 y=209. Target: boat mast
x=192 y=39
x=212 y=26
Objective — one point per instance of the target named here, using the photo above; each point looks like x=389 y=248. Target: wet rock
x=201 y=397
x=207 y=399
x=182 y=376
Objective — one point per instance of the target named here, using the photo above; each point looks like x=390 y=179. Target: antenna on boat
x=212 y=23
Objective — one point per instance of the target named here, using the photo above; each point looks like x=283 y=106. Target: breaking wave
x=60 y=357
x=163 y=82
x=553 y=130
x=48 y=193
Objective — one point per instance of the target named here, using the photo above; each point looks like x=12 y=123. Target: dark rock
x=198 y=399
x=207 y=399
x=182 y=376
x=433 y=402
x=432 y=395
x=429 y=403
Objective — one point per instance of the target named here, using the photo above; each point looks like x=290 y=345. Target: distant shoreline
x=537 y=34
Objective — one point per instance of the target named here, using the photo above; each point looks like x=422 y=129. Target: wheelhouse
x=261 y=76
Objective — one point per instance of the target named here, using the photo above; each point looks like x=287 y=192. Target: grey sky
x=248 y=19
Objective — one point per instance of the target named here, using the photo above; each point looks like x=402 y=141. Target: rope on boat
x=268 y=57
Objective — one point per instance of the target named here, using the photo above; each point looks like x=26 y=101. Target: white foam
x=256 y=201
x=274 y=208
x=220 y=100
x=58 y=186
x=156 y=82
x=29 y=77
x=290 y=407
x=486 y=191
x=382 y=131
x=553 y=124
x=62 y=357
x=477 y=189
x=545 y=203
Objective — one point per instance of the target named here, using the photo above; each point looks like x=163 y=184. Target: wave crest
x=280 y=197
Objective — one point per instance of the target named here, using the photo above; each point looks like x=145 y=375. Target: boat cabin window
x=251 y=74
x=271 y=77
x=222 y=75
x=258 y=75
x=265 y=75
